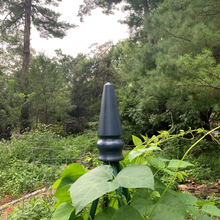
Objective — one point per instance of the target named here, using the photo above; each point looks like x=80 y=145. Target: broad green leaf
x=137 y=160
x=139 y=200
x=149 y=149
x=91 y=186
x=135 y=176
x=105 y=214
x=213 y=210
x=137 y=141
x=77 y=218
x=65 y=181
x=63 y=212
x=174 y=203
x=204 y=217
x=192 y=211
x=168 y=171
x=63 y=194
x=56 y=184
x=175 y=163
x=73 y=171
x=163 y=212
x=202 y=203
x=163 y=159
x=187 y=199
x=69 y=200
x=160 y=187
x=127 y=213
x=133 y=154
x=155 y=162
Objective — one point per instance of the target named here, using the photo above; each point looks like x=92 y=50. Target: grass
x=38 y=157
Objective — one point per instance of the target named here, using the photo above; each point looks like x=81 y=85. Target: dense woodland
x=166 y=73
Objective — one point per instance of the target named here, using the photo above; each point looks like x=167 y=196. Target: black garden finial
x=110 y=145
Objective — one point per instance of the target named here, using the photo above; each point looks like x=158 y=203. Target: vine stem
x=174 y=175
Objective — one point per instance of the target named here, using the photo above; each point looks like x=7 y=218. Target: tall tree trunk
x=146 y=10
x=37 y=119
x=26 y=60
x=27 y=31
x=64 y=128
x=206 y=118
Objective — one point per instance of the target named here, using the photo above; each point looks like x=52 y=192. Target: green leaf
x=204 y=217
x=192 y=211
x=155 y=162
x=77 y=218
x=63 y=194
x=63 y=212
x=133 y=154
x=149 y=149
x=139 y=200
x=187 y=199
x=56 y=184
x=175 y=163
x=146 y=139
x=65 y=181
x=105 y=214
x=202 y=203
x=137 y=141
x=60 y=202
x=113 y=203
x=155 y=194
x=137 y=152
x=164 y=212
x=135 y=176
x=169 y=172
x=213 y=210
x=73 y=171
x=163 y=159
x=127 y=213
x=174 y=203
x=91 y=186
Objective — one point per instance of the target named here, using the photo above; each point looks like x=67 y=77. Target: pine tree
x=17 y=18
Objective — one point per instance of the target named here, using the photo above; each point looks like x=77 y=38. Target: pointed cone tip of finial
x=109 y=120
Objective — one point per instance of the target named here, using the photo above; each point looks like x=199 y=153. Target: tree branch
x=176 y=36
x=13 y=22
x=211 y=74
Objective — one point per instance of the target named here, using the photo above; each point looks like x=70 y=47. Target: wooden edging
x=21 y=199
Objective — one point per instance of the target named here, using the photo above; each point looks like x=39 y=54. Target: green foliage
x=38 y=152
x=18 y=176
x=39 y=207
x=42 y=17
x=50 y=100
x=151 y=199
x=86 y=77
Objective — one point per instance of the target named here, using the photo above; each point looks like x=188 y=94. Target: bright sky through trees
x=97 y=28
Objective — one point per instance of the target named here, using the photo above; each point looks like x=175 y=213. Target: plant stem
x=174 y=175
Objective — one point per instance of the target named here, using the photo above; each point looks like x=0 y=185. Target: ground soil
x=204 y=190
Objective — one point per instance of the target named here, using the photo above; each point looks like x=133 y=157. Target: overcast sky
x=97 y=28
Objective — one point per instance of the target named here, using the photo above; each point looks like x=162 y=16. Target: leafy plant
x=39 y=207
x=150 y=198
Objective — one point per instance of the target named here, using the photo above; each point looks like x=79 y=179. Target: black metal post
x=110 y=144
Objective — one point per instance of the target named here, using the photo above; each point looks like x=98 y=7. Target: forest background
x=166 y=73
